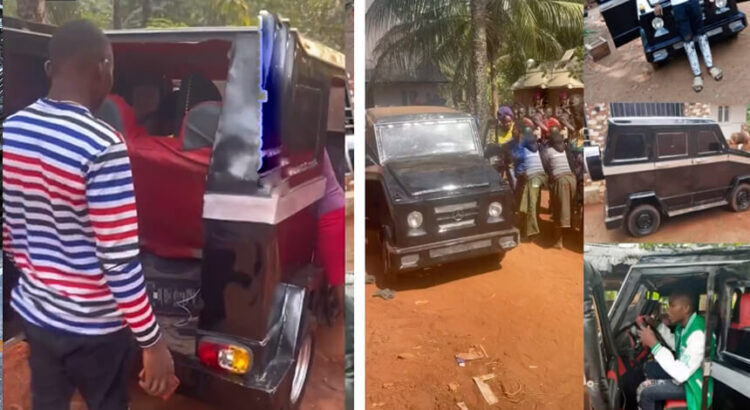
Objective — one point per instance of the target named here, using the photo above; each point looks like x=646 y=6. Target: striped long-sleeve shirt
x=70 y=223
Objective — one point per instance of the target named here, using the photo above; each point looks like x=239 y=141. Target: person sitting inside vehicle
x=672 y=377
x=562 y=169
x=531 y=175
x=688 y=16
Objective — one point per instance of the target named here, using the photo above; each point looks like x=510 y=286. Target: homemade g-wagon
x=430 y=192
x=666 y=166
x=613 y=352
x=226 y=129
x=661 y=39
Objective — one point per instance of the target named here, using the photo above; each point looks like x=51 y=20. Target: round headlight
x=414 y=219
x=721 y=3
x=657 y=23
x=495 y=209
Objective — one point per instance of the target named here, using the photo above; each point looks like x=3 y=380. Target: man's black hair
x=689 y=294
x=79 y=39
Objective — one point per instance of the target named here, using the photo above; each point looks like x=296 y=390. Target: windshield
x=413 y=139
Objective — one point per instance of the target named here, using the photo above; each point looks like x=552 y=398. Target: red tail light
x=225 y=356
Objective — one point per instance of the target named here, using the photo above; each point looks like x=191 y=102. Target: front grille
x=456 y=216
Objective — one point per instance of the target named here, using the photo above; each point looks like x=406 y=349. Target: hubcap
x=300 y=369
x=644 y=221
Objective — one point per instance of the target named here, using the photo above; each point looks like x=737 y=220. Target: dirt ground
x=625 y=75
x=526 y=315
x=717 y=225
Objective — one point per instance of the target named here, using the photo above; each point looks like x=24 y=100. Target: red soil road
x=625 y=75
x=526 y=315
x=717 y=225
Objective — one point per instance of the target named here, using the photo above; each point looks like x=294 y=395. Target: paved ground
x=625 y=75
x=717 y=225
x=526 y=315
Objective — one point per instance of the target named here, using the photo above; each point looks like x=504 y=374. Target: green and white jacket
x=688 y=342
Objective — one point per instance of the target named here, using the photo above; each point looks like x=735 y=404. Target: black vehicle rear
x=660 y=36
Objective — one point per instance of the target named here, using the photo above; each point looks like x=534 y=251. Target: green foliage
x=321 y=20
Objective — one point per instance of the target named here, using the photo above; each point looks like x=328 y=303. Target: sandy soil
x=710 y=226
x=526 y=315
x=625 y=75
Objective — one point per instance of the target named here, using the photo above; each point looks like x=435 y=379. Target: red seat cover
x=744 y=319
x=169 y=186
x=675 y=405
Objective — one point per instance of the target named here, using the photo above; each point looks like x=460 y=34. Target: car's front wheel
x=739 y=199
x=302 y=368
x=643 y=220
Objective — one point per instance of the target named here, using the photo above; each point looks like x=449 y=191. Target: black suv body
x=613 y=353
x=667 y=166
x=629 y=19
x=429 y=190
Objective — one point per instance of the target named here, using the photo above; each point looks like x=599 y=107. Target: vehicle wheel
x=643 y=220
x=301 y=369
x=388 y=272
x=739 y=199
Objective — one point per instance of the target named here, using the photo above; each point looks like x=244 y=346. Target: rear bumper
x=227 y=390
x=673 y=46
x=424 y=256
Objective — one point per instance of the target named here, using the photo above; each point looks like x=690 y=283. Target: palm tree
x=448 y=33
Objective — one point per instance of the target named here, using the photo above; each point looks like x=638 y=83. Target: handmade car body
x=613 y=353
x=430 y=192
x=666 y=166
x=630 y=19
x=227 y=194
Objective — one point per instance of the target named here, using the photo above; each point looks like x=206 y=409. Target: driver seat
x=675 y=405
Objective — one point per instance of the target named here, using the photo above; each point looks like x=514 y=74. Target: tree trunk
x=116 y=15
x=32 y=10
x=481 y=66
x=146 y=12
x=493 y=78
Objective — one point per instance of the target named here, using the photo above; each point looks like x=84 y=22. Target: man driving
x=676 y=375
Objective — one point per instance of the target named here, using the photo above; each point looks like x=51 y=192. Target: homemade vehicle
x=614 y=355
x=666 y=166
x=430 y=192
x=630 y=19
x=226 y=129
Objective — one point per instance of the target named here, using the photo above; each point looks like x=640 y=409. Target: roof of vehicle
x=693 y=258
x=380 y=115
x=651 y=121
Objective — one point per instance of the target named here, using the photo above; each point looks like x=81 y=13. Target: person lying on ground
x=562 y=168
x=70 y=227
x=531 y=175
x=688 y=16
x=670 y=376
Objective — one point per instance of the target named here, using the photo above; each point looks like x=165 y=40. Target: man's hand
x=647 y=336
x=658 y=10
x=651 y=321
x=158 y=369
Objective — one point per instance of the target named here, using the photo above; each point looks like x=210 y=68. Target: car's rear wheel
x=739 y=199
x=643 y=220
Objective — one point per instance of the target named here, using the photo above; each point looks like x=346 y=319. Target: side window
x=630 y=147
x=738 y=336
x=707 y=143
x=671 y=145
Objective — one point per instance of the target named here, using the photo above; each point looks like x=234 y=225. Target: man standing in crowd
x=688 y=16
x=531 y=178
x=70 y=227
x=562 y=170
x=676 y=375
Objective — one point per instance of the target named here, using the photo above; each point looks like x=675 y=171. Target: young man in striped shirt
x=70 y=227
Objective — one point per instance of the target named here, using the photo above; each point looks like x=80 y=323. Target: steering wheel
x=640 y=322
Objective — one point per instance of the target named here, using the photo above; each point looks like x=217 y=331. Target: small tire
x=739 y=198
x=303 y=358
x=643 y=220
x=389 y=274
